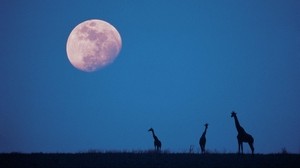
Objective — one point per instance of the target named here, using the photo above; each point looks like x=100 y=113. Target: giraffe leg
x=242 y=148
x=239 y=146
x=202 y=149
x=252 y=148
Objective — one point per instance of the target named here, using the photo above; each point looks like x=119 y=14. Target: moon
x=93 y=44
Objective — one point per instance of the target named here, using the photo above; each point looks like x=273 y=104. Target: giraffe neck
x=153 y=134
x=204 y=133
x=237 y=124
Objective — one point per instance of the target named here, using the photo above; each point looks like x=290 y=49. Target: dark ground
x=133 y=160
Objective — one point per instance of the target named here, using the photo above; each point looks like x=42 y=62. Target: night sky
x=182 y=64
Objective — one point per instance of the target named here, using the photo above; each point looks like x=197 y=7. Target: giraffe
x=242 y=135
x=157 y=143
x=202 y=140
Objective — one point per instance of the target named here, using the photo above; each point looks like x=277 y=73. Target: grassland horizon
x=147 y=159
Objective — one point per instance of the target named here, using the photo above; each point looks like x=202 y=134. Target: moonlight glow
x=93 y=44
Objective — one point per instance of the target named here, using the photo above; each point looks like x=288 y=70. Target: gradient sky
x=182 y=64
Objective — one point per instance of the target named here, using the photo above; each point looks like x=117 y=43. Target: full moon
x=93 y=44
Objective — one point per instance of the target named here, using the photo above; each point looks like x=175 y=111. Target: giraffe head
x=151 y=129
x=206 y=125
x=233 y=114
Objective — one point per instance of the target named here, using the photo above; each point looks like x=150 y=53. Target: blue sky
x=182 y=64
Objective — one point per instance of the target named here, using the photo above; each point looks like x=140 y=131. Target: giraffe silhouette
x=242 y=135
x=202 y=140
x=157 y=143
